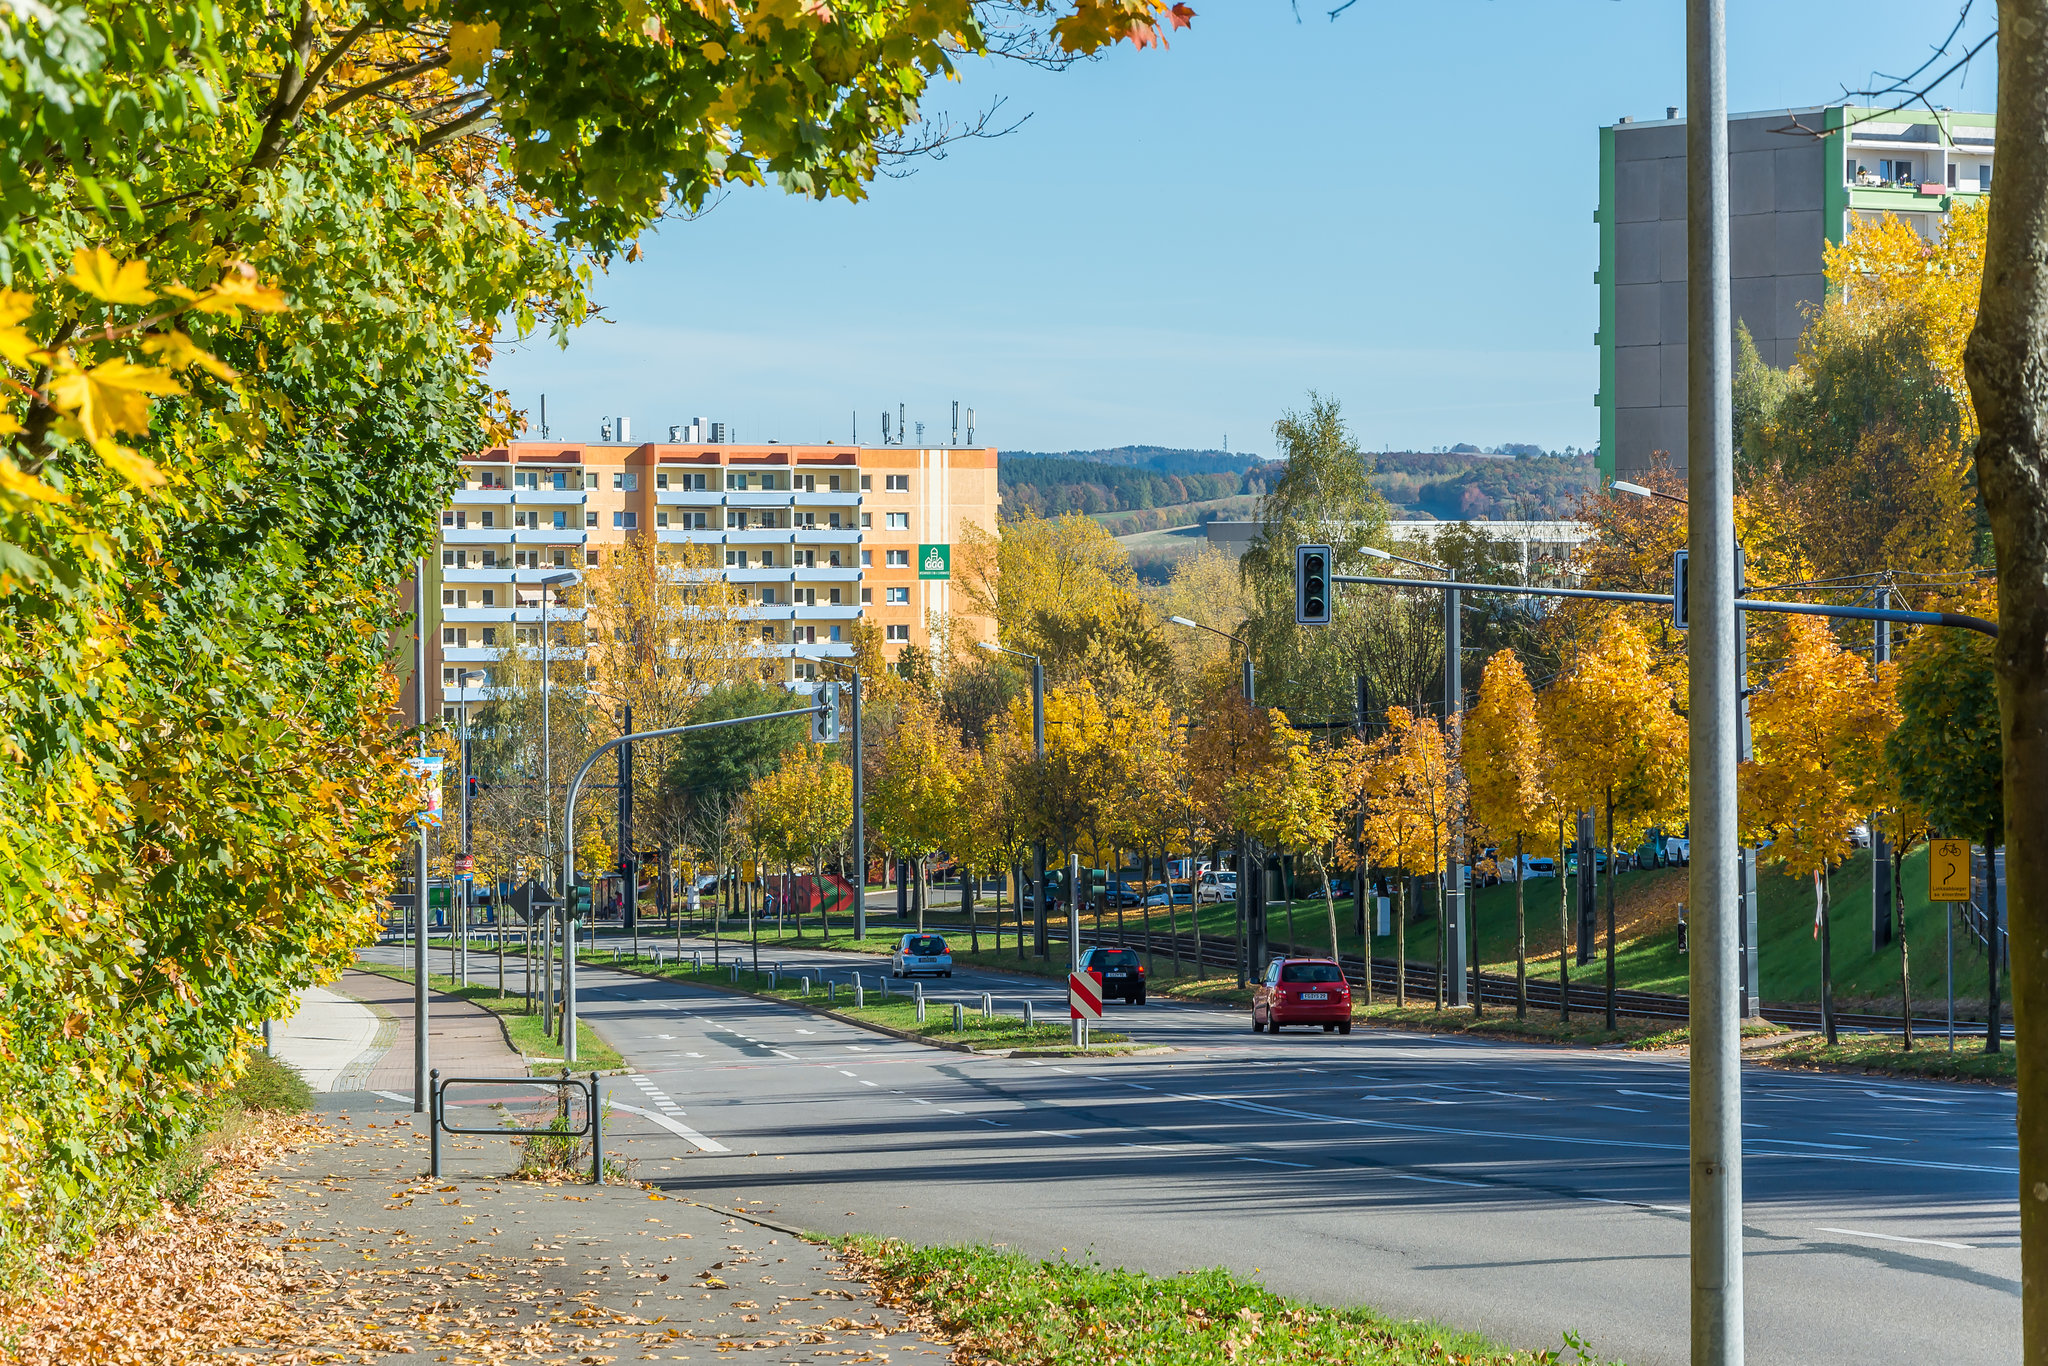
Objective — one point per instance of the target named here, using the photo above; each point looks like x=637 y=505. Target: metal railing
x=593 y=1120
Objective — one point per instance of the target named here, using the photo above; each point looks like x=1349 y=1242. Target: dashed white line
x=1897 y=1238
x=1269 y=1161
x=1445 y=1181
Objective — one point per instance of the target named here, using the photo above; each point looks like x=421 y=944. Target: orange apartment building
x=816 y=536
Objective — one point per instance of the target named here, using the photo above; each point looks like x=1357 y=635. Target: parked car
x=1305 y=991
x=1538 y=867
x=1859 y=837
x=921 y=953
x=1217 y=887
x=1118 y=972
x=1677 y=849
x=1119 y=892
x=1170 y=893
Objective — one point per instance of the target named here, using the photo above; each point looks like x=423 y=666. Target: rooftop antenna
x=543 y=417
x=956 y=422
x=902 y=427
x=970 y=426
x=920 y=435
x=885 y=426
x=856 y=426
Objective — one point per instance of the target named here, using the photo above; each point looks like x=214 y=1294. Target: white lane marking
x=776 y=1051
x=1623 y=1090
x=667 y=1037
x=1625 y=1109
x=1440 y=1181
x=1896 y=1238
x=687 y=1055
x=997 y=1122
x=865 y=1082
x=1272 y=1161
x=913 y=1100
x=709 y=1145
x=1893 y=1095
x=1881 y=1138
x=800 y=1031
x=393 y=1095
x=1051 y=1133
x=946 y=1111
x=1137 y=1087
x=842 y=1071
x=855 y=1047
x=1155 y=1147
x=1796 y=1143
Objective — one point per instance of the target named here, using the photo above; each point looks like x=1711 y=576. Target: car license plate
x=927 y=960
x=1315 y=995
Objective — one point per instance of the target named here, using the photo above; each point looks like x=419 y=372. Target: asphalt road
x=1515 y=1189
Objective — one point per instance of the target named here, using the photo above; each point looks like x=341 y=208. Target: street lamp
x=1454 y=701
x=1038 y=750
x=860 y=823
x=1624 y=486
x=1234 y=640
x=465 y=680
x=548 y=583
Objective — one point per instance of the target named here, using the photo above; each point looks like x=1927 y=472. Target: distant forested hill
x=1129 y=478
x=1457 y=485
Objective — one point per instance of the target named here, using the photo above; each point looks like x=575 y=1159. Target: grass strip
x=1885 y=1054
x=522 y=1025
x=1009 y=1308
x=897 y=1010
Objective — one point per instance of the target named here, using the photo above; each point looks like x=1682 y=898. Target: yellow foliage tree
x=914 y=794
x=1503 y=759
x=1620 y=747
x=1296 y=802
x=1412 y=796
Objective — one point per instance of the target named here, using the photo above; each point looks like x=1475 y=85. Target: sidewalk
x=463 y=1039
x=489 y=1271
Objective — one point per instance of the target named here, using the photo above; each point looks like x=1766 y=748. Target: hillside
x=1457 y=485
x=1137 y=479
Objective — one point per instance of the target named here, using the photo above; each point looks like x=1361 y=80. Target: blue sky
x=1395 y=208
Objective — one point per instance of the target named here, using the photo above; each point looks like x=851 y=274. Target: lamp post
x=548 y=583
x=466 y=680
x=1455 y=929
x=1244 y=850
x=1038 y=751
x=860 y=820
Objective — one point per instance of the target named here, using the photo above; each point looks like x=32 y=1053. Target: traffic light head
x=1312 y=585
x=825 y=720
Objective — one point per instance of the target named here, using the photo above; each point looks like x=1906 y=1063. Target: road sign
x=1084 y=999
x=747 y=871
x=465 y=863
x=1948 y=870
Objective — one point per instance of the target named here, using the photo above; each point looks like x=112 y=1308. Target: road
x=1515 y=1189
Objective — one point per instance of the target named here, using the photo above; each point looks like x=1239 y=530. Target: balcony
x=828 y=612
x=492 y=616
x=828 y=573
x=676 y=535
x=758 y=536
x=838 y=649
x=549 y=497
x=551 y=535
x=758 y=498
x=475 y=535
x=826 y=535
x=824 y=498
x=758 y=575
x=771 y=611
x=688 y=498
x=493 y=574
x=472 y=653
x=468 y=497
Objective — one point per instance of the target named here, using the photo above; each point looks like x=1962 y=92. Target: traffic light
x=1312 y=585
x=1681 y=592
x=476 y=787
x=825 y=720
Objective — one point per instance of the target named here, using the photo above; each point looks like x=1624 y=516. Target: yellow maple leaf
x=469 y=48
x=240 y=288
x=13 y=480
x=176 y=351
x=97 y=273
x=111 y=397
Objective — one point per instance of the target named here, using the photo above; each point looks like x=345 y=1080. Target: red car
x=1302 y=991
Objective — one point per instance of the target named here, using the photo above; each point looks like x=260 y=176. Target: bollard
x=831 y=992
x=696 y=961
x=1028 y=1021
x=959 y=1017
x=772 y=977
x=860 y=997
x=434 y=1122
x=735 y=972
x=988 y=1005
x=806 y=985
x=920 y=1007
x=596 y=1135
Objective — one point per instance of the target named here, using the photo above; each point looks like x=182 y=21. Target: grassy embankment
x=1003 y=1306
x=522 y=1025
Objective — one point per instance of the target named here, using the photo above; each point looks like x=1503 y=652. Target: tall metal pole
x=462 y=973
x=547 y=757
x=1074 y=934
x=860 y=825
x=1881 y=909
x=1038 y=847
x=419 y=939
x=1716 y=1109
x=1245 y=933
x=1454 y=871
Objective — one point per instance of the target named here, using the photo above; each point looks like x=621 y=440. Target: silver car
x=921 y=953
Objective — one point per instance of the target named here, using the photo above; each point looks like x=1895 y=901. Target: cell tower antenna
x=543 y=417
x=903 y=428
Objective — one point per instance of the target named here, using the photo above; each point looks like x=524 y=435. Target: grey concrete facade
x=1778 y=185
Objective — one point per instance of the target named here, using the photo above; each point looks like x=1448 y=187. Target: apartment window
x=899 y=633
x=694 y=521
x=526 y=479
x=562 y=477
x=1984 y=176
x=736 y=521
x=456 y=636
x=835 y=521
x=810 y=635
x=738 y=481
x=561 y=559
x=835 y=635
x=1952 y=175
x=660 y=520
x=447 y=559
x=661 y=479
x=768 y=596
x=490 y=635
x=896 y=483
x=590 y=519
x=867 y=559
x=561 y=521
x=735 y=559
x=798 y=519
x=899 y=521
x=448 y=517
x=835 y=597
x=628 y=480
x=490 y=597
x=767 y=633
x=803 y=483
x=867 y=595
x=590 y=479
x=867 y=519
x=489 y=518
x=522 y=520
x=590 y=557
x=767 y=559
x=490 y=559
x=898 y=559
x=807 y=597
x=897 y=595
x=625 y=521
x=867 y=481
x=447 y=678
x=590 y=673
x=833 y=483
x=834 y=559
x=455 y=597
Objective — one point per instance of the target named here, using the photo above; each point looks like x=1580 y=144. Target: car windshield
x=1117 y=958
x=924 y=943
x=1310 y=972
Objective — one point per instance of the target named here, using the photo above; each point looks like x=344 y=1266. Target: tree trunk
x=1330 y=902
x=2006 y=364
x=1401 y=942
x=1365 y=925
x=1564 y=932
x=920 y=891
x=1443 y=911
x=1472 y=933
x=1992 y=1031
x=1612 y=1023
x=1827 y=956
x=967 y=891
x=1521 y=940
x=1905 y=959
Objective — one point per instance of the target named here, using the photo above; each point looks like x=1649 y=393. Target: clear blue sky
x=1395 y=208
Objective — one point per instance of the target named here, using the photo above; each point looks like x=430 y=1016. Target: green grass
x=1011 y=1308
x=896 y=1010
x=522 y=1025
x=1585 y=1027
x=1886 y=1054
x=268 y=1084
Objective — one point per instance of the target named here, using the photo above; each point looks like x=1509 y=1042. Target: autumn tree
x=1295 y=802
x=1503 y=757
x=913 y=798
x=1233 y=739
x=1816 y=723
x=1410 y=796
x=1620 y=747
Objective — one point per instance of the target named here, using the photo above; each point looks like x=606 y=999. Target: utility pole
x=629 y=862
x=860 y=825
x=419 y=939
x=1454 y=871
x=1714 y=964
x=1880 y=847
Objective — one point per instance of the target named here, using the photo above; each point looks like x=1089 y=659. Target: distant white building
x=1538 y=541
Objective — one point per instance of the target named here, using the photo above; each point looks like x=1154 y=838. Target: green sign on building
x=935 y=562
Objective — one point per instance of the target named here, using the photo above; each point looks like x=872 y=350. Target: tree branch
x=384 y=82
